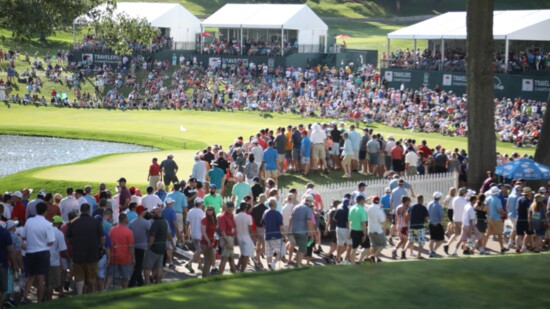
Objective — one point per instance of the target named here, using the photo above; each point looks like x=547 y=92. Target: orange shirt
x=122 y=239
x=288 y=145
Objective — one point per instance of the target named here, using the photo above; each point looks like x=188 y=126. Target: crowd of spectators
x=455 y=60
x=91 y=43
x=249 y=48
x=341 y=93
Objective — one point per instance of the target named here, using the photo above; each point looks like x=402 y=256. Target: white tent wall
x=183 y=25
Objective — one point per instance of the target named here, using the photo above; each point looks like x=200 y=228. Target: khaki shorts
x=153 y=181
x=86 y=272
x=347 y=159
x=271 y=174
x=457 y=227
x=495 y=227
x=179 y=217
x=318 y=152
x=227 y=249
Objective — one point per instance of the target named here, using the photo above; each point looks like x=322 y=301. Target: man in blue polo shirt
x=270 y=162
x=305 y=152
x=495 y=226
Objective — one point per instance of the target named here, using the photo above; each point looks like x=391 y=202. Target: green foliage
x=27 y=19
x=117 y=30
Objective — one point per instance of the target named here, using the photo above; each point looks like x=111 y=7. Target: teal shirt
x=357 y=215
x=179 y=201
x=241 y=190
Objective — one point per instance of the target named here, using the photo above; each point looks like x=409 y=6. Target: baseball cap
x=88 y=188
x=239 y=175
x=198 y=200
x=42 y=192
x=376 y=199
x=387 y=190
x=542 y=190
x=437 y=195
x=12 y=223
x=18 y=194
x=362 y=184
x=169 y=200
x=495 y=190
x=213 y=186
x=230 y=205
x=257 y=179
x=98 y=218
x=121 y=179
x=255 y=141
x=57 y=219
x=309 y=197
x=140 y=209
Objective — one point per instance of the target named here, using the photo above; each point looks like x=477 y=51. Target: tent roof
x=527 y=25
x=265 y=16
x=152 y=12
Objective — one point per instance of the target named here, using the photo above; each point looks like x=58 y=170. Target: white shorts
x=246 y=246
x=342 y=236
x=274 y=246
x=102 y=267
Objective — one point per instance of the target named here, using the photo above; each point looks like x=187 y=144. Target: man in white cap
x=169 y=214
x=240 y=189
x=194 y=231
x=458 y=204
x=258 y=152
x=495 y=225
x=199 y=171
x=436 y=219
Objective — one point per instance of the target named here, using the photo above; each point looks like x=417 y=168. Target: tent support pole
x=282 y=40
x=442 y=54
x=506 y=54
x=201 y=38
x=414 y=54
x=241 y=39
x=388 y=58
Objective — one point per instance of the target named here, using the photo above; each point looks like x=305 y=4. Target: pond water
x=19 y=153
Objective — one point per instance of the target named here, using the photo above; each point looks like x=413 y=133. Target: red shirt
x=425 y=150
x=154 y=169
x=397 y=153
x=18 y=213
x=226 y=223
x=122 y=239
x=210 y=230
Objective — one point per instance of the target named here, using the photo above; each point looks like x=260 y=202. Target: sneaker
x=9 y=303
x=394 y=254
x=345 y=262
x=446 y=249
x=403 y=255
x=432 y=254
x=454 y=255
x=466 y=252
x=172 y=266
x=372 y=259
x=518 y=250
x=504 y=250
x=190 y=268
x=378 y=260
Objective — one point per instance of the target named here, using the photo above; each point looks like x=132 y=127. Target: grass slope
x=365 y=8
x=496 y=282
x=160 y=129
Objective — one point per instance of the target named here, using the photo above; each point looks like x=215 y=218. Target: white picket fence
x=421 y=184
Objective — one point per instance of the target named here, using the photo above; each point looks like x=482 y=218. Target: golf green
x=495 y=282
x=160 y=129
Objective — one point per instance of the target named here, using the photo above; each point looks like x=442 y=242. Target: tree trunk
x=481 y=109
x=542 y=153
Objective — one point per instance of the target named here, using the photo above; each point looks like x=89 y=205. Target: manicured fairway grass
x=495 y=282
x=160 y=129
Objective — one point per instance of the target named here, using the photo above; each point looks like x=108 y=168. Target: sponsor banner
x=234 y=61
x=214 y=62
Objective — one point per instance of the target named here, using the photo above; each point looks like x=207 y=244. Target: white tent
x=183 y=25
x=525 y=25
x=311 y=29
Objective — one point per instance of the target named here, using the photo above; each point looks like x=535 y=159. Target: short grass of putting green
x=488 y=282
x=160 y=129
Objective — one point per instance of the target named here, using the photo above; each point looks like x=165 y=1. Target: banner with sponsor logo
x=504 y=85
